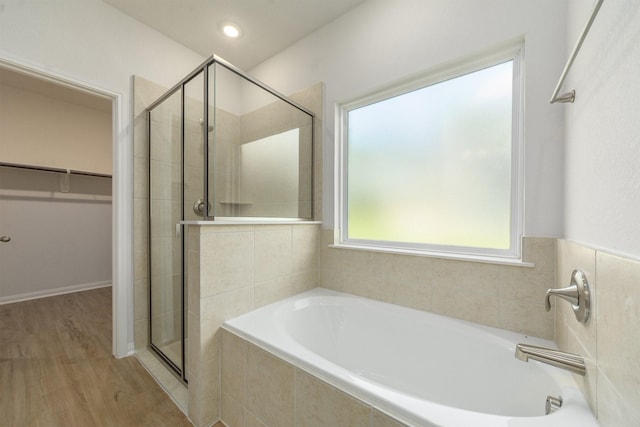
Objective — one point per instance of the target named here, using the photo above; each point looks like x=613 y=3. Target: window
x=433 y=166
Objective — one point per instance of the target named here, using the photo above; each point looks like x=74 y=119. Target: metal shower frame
x=180 y=86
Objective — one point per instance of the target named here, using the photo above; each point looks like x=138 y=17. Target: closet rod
x=571 y=96
x=48 y=169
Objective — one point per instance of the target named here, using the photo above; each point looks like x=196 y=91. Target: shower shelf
x=250 y=221
x=231 y=202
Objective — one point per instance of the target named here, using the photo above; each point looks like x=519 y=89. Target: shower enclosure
x=222 y=146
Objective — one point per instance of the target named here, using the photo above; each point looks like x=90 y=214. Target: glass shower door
x=165 y=236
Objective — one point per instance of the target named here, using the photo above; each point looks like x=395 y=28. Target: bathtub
x=422 y=369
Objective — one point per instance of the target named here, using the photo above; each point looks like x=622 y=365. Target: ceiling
x=268 y=26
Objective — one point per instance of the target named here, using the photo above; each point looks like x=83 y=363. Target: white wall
x=382 y=41
x=90 y=42
x=47 y=131
x=60 y=242
x=602 y=172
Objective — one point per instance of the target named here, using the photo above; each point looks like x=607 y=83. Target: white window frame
x=513 y=254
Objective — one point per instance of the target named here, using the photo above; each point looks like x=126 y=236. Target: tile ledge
x=515 y=262
x=254 y=221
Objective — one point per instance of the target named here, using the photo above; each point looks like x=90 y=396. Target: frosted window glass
x=433 y=166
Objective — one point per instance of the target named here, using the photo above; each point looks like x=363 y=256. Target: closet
x=55 y=188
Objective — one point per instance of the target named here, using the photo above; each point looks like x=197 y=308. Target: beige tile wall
x=273 y=119
x=503 y=296
x=259 y=389
x=312 y=98
x=610 y=341
x=227 y=133
x=233 y=269
x=497 y=295
x=278 y=117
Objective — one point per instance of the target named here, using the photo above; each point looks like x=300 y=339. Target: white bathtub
x=423 y=369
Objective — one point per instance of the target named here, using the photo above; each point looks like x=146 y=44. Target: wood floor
x=56 y=368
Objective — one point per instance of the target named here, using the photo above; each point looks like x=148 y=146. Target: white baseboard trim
x=53 y=292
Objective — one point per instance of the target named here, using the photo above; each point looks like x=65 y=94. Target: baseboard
x=53 y=292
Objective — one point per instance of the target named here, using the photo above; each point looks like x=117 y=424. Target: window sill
x=251 y=221
x=515 y=262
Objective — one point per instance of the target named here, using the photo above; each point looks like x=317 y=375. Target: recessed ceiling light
x=231 y=30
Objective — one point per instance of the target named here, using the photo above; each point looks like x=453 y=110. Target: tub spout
x=571 y=362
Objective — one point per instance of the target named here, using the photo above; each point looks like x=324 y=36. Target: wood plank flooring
x=56 y=368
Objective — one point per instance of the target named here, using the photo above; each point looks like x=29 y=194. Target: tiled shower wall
x=144 y=93
x=610 y=341
x=166 y=269
x=166 y=128
x=273 y=201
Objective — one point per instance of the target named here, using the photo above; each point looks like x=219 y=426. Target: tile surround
x=572 y=336
x=273 y=252
x=319 y=404
x=269 y=388
x=259 y=389
x=490 y=294
x=484 y=293
x=233 y=269
x=610 y=341
x=618 y=340
x=211 y=304
x=228 y=267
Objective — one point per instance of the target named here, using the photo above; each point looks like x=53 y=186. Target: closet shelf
x=49 y=169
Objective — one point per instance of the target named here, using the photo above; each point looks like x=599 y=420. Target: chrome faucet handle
x=569 y=293
x=577 y=294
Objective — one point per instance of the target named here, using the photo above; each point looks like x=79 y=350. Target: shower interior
x=222 y=146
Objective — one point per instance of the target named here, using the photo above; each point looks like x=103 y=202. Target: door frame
x=122 y=202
